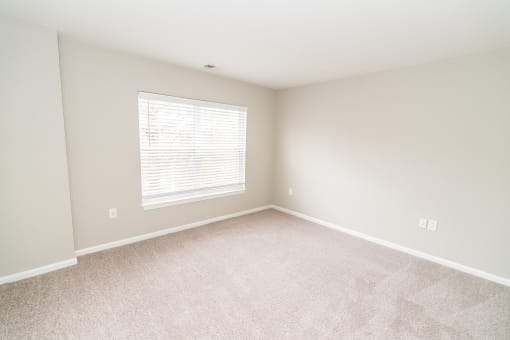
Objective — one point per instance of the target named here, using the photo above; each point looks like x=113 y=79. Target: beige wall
x=376 y=153
x=100 y=89
x=35 y=214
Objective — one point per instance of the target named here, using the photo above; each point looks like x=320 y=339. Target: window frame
x=194 y=195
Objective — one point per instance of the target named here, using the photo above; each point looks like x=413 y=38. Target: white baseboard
x=134 y=239
x=62 y=264
x=447 y=263
x=38 y=271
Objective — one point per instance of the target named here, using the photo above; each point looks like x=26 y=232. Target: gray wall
x=376 y=153
x=35 y=213
x=100 y=89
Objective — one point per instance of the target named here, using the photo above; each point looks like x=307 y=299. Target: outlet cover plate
x=112 y=212
x=432 y=225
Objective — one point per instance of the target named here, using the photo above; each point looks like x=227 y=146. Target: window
x=190 y=149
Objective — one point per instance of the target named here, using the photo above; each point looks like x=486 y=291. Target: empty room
x=191 y=169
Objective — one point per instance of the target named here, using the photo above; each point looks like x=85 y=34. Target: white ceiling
x=280 y=43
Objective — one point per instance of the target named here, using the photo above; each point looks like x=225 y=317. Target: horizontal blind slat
x=190 y=146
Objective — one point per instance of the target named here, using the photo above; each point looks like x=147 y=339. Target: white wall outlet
x=112 y=212
x=422 y=223
x=432 y=225
x=291 y=191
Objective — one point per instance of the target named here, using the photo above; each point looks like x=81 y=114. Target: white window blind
x=190 y=149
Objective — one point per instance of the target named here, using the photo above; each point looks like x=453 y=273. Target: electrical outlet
x=291 y=191
x=423 y=223
x=112 y=212
x=432 y=225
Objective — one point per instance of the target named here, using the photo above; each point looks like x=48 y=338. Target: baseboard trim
x=38 y=271
x=447 y=263
x=134 y=239
x=70 y=262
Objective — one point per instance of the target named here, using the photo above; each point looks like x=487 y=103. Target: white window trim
x=165 y=202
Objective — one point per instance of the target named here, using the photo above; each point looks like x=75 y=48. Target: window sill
x=165 y=202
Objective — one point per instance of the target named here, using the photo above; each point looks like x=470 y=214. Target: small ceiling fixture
x=209 y=66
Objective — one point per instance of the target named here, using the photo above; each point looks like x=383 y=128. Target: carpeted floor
x=261 y=276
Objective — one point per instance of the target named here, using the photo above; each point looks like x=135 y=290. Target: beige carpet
x=261 y=276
